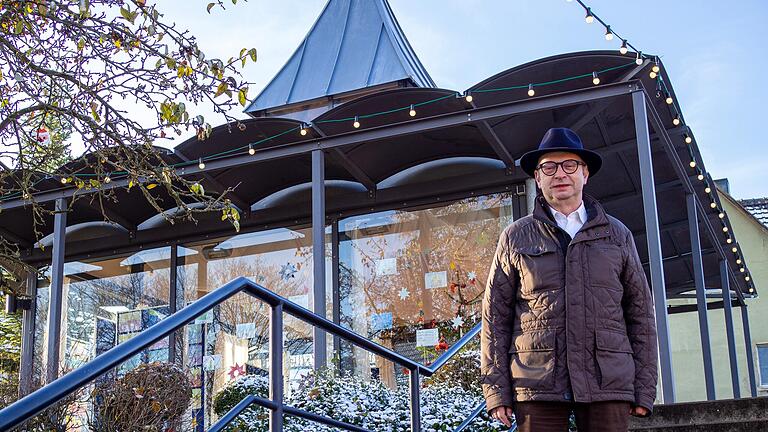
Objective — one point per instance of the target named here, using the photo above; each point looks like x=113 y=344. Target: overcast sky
x=714 y=53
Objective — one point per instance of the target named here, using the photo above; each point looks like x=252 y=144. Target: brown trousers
x=590 y=417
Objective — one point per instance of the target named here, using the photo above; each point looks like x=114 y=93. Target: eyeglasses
x=550 y=168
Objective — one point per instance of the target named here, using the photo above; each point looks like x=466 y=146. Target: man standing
x=567 y=319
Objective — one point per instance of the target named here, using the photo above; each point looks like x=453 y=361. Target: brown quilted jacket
x=576 y=326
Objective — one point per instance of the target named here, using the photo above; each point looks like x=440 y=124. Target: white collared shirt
x=573 y=222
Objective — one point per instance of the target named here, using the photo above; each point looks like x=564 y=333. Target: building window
x=762 y=360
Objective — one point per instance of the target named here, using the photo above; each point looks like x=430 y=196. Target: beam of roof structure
x=354 y=44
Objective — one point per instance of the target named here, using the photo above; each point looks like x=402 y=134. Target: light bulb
x=712 y=205
x=63 y=180
x=692 y=164
x=734 y=249
x=738 y=261
x=707 y=189
x=589 y=18
x=201 y=164
x=595 y=78
x=412 y=112
x=356 y=123
x=721 y=215
x=725 y=229
x=251 y=150
x=656 y=67
x=669 y=100
x=700 y=177
x=742 y=269
x=688 y=139
x=468 y=97
x=746 y=278
x=608 y=33
x=652 y=75
x=531 y=92
x=107 y=179
x=639 y=59
x=303 y=130
x=676 y=120
x=623 y=49
x=729 y=240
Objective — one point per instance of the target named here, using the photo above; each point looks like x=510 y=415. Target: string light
x=639 y=59
x=589 y=18
x=608 y=33
x=412 y=112
x=712 y=204
x=656 y=67
x=742 y=269
x=303 y=130
x=707 y=189
x=668 y=99
x=746 y=278
x=63 y=180
x=692 y=164
x=725 y=229
x=729 y=240
x=721 y=215
x=107 y=179
x=734 y=249
x=700 y=177
x=738 y=261
x=531 y=92
x=356 y=123
x=200 y=163
x=623 y=50
x=688 y=139
x=251 y=150
x=676 y=120
x=595 y=78
x=468 y=97
x=652 y=75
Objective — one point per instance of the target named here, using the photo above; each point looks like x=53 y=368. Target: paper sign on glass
x=435 y=279
x=427 y=337
x=381 y=321
x=246 y=331
x=386 y=266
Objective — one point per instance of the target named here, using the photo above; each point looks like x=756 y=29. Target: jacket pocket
x=615 y=359
x=532 y=360
x=539 y=267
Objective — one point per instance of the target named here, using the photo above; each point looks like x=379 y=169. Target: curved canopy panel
x=85 y=231
x=302 y=193
x=436 y=169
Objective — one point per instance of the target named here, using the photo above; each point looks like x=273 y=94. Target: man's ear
x=586 y=174
x=536 y=177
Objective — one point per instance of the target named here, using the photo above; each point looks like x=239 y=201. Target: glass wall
x=412 y=280
x=233 y=339
x=105 y=302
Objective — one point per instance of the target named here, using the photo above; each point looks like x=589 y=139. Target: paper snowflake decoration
x=471 y=276
x=236 y=370
x=458 y=321
x=288 y=271
x=404 y=294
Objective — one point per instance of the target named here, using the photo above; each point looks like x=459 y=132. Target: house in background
x=748 y=219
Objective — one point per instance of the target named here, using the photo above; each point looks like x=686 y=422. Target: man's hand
x=638 y=411
x=503 y=414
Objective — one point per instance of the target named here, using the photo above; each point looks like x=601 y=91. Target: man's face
x=561 y=186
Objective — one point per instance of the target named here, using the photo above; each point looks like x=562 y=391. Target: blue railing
x=34 y=403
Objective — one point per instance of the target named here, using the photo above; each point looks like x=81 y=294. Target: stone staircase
x=730 y=415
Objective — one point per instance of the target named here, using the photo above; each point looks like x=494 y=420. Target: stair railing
x=39 y=400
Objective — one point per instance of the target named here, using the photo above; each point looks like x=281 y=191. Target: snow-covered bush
x=369 y=404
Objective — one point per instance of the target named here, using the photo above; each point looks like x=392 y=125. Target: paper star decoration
x=458 y=321
x=236 y=370
x=471 y=276
x=288 y=271
x=404 y=294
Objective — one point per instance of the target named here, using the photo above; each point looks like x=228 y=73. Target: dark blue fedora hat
x=561 y=140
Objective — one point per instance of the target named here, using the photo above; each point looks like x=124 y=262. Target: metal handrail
x=43 y=398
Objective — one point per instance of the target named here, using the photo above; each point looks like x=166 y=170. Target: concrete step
x=737 y=415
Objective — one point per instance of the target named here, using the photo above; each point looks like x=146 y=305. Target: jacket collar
x=596 y=216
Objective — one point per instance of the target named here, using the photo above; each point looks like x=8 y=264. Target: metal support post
x=654 y=245
x=701 y=297
x=748 y=347
x=276 y=367
x=27 y=364
x=56 y=289
x=415 y=388
x=318 y=253
x=728 y=310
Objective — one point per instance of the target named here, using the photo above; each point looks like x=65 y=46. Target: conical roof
x=354 y=44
